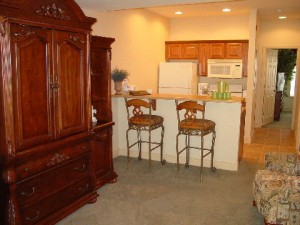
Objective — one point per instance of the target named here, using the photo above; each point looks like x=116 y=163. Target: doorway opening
x=285 y=89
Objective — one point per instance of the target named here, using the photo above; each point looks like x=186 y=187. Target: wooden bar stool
x=139 y=121
x=189 y=124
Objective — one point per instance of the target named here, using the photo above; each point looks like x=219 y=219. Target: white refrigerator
x=178 y=78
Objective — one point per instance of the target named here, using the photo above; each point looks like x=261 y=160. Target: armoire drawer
x=53 y=159
x=46 y=206
x=51 y=181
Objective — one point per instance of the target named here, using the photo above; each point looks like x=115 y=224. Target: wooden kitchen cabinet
x=234 y=50
x=45 y=152
x=101 y=102
x=205 y=49
x=217 y=50
x=203 y=55
x=181 y=51
x=173 y=51
x=245 y=58
x=189 y=51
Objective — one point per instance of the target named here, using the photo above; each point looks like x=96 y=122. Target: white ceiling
x=267 y=9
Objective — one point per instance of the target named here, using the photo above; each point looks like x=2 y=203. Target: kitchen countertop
x=183 y=97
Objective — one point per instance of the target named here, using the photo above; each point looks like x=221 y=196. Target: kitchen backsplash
x=204 y=79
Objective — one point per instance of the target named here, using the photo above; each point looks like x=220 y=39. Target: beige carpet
x=159 y=198
x=284 y=122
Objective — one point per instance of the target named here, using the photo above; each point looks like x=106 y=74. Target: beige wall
x=140 y=42
x=210 y=28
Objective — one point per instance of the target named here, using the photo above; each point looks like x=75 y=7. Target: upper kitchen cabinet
x=202 y=50
x=216 y=50
x=173 y=51
x=189 y=51
x=245 y=58
x=226 y=50
x=203 y=55
x=181 y=50
x=234 y=50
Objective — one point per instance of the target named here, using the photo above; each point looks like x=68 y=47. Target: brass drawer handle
x=33 y=218
x=81 y=169
x=83 y=189
x=28 y=194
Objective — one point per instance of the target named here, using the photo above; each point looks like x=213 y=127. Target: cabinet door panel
x=234 y=50
x=31 y=51
x=245 y=59
x=173 y=51
x=203 y=56
x=189 y=51
x=69 y=82
x=101 y=153
x=217 y=50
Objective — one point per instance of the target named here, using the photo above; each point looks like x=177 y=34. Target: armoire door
x=70 y=80
x=31 y=72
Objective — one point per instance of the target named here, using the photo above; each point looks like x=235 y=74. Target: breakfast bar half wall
x=227 y=114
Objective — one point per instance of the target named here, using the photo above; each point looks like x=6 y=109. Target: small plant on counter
x=119 y=74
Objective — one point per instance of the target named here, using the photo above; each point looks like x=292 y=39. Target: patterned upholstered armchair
x=277 y=189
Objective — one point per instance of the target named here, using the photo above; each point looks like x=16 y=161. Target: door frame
x=296 y=107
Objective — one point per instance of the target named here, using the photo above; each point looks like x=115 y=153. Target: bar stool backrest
x=191 y=108
x=139 y=107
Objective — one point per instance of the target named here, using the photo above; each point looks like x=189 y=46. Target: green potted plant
x=118 y=75
x=286 y=64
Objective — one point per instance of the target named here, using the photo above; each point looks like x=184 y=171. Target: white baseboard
x=172 y=159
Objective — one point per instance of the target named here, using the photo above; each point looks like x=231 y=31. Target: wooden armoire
x=47 y=140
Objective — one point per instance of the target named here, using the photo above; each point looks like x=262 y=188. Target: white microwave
x=225 y=68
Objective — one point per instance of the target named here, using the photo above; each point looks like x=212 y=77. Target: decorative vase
x=118 y=87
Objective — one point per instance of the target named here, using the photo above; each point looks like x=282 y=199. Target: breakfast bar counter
x=225 y=113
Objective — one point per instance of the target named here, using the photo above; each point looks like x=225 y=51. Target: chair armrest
x=283 y=162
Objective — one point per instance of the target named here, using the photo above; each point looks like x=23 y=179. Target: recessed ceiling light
x=178 y=13
x=226 y=10
x=282 y=17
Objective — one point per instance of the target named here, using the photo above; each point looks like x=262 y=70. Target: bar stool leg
x=149 y=149
x=139 y=144
x=177 y=150
x=187 y=151
x=201 y=168
x=128 y=154
x=212 y=168
x=163 y=162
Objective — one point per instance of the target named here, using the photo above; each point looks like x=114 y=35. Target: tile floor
x=269 y=140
